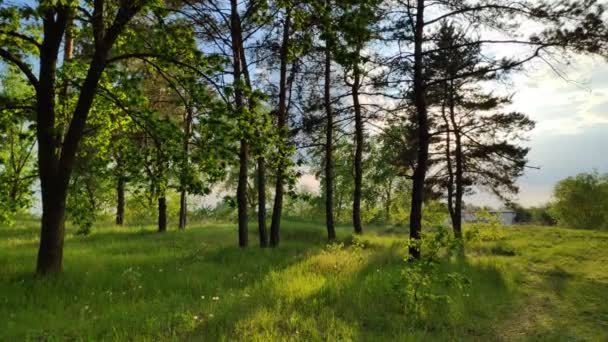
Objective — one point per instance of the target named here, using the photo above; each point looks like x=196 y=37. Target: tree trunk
x=422 y=157
x=241 y=191
x=261 y=173
x=389 y=200
x=162 y=214
x=457 y=220
x=329 y=148
x=183 y=200
x=50 y=252
x=448 y=157
x=52 y=186
x=358 y=151
x=120 y=201
x=275 y=225
x=183 y=209
x=262 y=202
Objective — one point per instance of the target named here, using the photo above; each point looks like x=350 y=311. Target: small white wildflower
x=216 y=298
x=202 y=297
x=195 y=318
x=210 y=315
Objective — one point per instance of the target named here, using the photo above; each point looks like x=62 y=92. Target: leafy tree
x=17 y=145
x=582 y=201
x=37 y=33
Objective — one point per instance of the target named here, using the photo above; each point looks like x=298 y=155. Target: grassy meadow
x=529 y=284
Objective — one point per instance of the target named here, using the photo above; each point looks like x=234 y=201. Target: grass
x=531 y=283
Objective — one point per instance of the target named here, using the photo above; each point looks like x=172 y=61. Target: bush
x=422 y=287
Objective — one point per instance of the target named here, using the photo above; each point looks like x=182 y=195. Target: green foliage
x=422 y=286
x=486 y=227
x=17 y=146
x=582 y=201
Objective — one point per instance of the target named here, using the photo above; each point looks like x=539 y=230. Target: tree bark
x=329 y=148
x=50 y=252
x=275 y=225
x=120 y=201
x=419 y=176
x=358 y=151
x=162 y=214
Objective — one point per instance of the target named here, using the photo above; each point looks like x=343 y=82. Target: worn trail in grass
x=134 y=284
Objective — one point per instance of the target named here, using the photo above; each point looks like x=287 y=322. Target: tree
x=56 y=155
x=475 y=144
x=411 y=22
x=355 y=29
x=582 y=201
x=283 y=129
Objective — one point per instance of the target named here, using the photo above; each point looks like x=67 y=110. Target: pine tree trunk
x=120 y=201
x=162 y=214
x=448 y=157
x=422 y=157
x=277 y=212
x=457 y=220
x=358 y=152
x=329 y=160
x=262 y=202
x=241 y=191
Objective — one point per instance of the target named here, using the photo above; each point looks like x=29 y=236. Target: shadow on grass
x=363 y=305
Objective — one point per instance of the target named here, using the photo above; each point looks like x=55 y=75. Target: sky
x=571 y=135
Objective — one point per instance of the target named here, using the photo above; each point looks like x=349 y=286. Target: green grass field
x=134 y=284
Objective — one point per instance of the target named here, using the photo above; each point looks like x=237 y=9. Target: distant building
x=506 y=217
